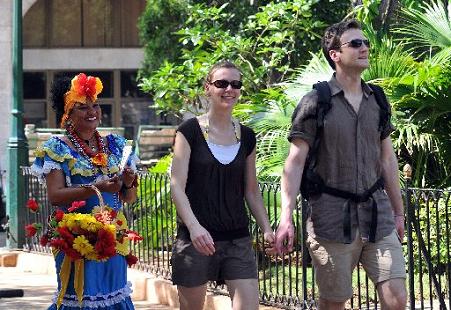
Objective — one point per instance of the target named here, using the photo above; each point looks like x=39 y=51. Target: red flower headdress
x=83 y=88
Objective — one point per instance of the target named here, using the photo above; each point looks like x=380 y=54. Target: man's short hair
x=332 y=36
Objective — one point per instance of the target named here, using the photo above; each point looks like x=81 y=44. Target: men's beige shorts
x=334 y=263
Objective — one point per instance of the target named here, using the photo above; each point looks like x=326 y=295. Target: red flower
x=72 y=253
x=76 y=205
x=106 y=244
x=86 y=85
x=32 y=229
x=119 y=222
x=32 y=205
x=133 y=236
x=44 y=240
x=59 y=243
x=131 y=259
x=59 y=215
x=100 y=159
x=66 y=234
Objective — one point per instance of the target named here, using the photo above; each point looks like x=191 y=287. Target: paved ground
x=38 y=291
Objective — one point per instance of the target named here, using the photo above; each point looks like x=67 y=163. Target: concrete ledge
x=36 y=263
x=8 y=259
x=160 y=291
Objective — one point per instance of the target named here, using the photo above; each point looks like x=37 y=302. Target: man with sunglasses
x=356 y=215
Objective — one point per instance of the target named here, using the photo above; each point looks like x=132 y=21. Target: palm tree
x=428 y=29
x=426 y=33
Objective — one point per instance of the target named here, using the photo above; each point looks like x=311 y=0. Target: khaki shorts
x=234 y=259
x=334 y=263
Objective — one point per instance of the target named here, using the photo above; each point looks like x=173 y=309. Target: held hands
x=202 y=240
x=270 y=239
x=284 y=237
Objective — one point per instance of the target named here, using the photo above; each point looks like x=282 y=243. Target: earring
x=69 y=124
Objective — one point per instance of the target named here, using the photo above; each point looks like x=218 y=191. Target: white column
x=6 y=8
x=6 y=78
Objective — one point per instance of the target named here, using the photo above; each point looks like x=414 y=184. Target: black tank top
x=216 y=191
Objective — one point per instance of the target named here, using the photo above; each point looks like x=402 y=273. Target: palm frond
x=318 y=69
x=442 y=57
x=388 y=61
x=429 y=26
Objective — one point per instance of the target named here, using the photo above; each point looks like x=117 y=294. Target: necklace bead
x=207 y=128
x=83 y=147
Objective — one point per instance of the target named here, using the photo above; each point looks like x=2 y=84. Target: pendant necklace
x=235 y=129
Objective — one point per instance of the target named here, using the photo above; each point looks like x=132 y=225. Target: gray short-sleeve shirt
x=349 y=158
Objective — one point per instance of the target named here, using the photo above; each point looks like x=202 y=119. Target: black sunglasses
x=224 y=84
x=356 y=43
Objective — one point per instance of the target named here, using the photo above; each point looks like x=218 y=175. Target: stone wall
x=154 y=142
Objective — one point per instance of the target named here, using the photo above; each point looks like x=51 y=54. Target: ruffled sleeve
x=53 y=154
x=116 y=146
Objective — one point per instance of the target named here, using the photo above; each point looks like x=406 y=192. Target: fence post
x=410 y=216
x=305 y=253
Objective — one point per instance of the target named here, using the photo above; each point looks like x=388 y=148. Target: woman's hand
x=270 y=243
x=128 y=177
x=111 y=185
x=202 y=240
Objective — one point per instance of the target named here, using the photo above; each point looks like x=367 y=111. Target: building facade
x=65 y=37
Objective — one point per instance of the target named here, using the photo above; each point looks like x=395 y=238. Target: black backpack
x=312 y=184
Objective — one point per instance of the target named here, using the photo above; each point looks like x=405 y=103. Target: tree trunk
x=387 y=10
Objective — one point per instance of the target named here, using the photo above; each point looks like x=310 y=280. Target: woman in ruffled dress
x=71 y=165
x=213 y=176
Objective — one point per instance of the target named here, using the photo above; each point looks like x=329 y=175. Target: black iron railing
x=288 y=281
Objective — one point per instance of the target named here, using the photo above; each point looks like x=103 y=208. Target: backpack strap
x=311 y=182
x=382 y=102
x=323 y=106
x=324 y=97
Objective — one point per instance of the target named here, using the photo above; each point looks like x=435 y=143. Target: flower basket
x=95 y=236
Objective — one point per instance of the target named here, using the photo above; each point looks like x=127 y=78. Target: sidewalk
x=35 y=274
x=39 y=286
x=39 y=290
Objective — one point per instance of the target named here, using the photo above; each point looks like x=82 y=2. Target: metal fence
x=289 y=281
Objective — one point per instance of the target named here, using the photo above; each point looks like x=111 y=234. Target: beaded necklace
x=83 y=148
x=92 y=144
x=235 y=130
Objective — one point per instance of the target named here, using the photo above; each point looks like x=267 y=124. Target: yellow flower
x=111 y=228
x=82 y=245
x=90 y=224
x=100 y=159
